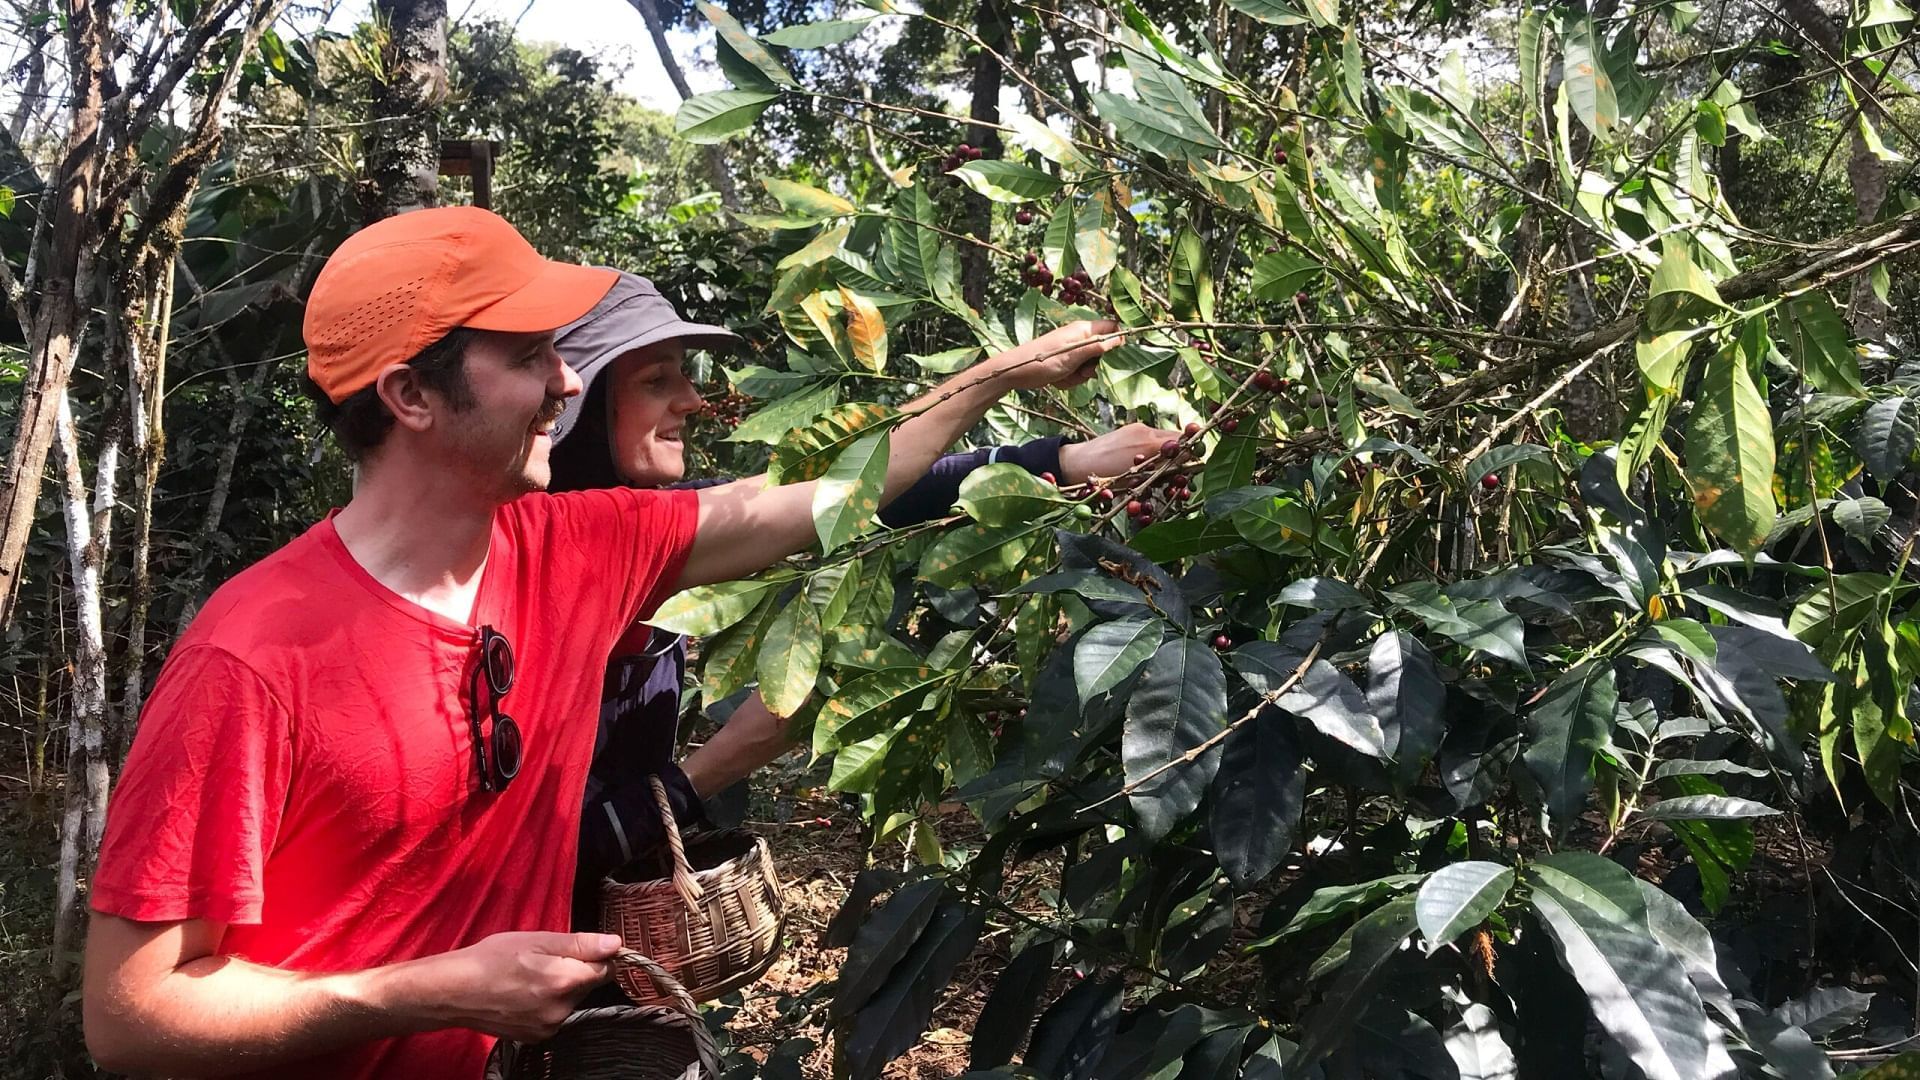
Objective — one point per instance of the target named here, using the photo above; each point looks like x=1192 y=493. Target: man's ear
x=401 y=391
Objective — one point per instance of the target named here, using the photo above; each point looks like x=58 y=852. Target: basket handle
x=683 y=880
x=702 y=1038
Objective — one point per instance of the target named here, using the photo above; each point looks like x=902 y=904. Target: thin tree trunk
x=246 y=397
x=146 y=380
x=403 y=137
x=717 y=169
x=1865 y=171
x=985 y=134
x=50 y=343
x=88 y=536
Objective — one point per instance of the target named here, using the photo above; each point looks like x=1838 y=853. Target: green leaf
x=972 y=552
x=1405 y=691
x=1277 y=275
x=1458 y=897
x=1481 y=624
x=729 y=661
x=819 y=249
x=1093 y=239
x=1569 y=725
x=712 y=117
x=806 y=453
x=1730 y=455
x=805 y=201
x=1191 y=294
x=1375 y=940
x=1006 y=494
x=772 y=423
x=790 y=658
x=881 y=940
x=1257 y=795
x=1007 y=181
x=1821 y=345
x=1663 y=358
x=1706 y=808
x=1589 y=85
x=1594 y=882
x=1276 y=12
x=875 y=702
x=817 y=35
x=746 y=46
x=1180 y=702
x=1326 y=698
x=1013 y=1004
x=1637 y=989
x=1110 y=652
x=1886 y=436
x=1322 y=594
x=1396 y=400
x=847 y=497
x=1335 y=902
x=1680 y=296
x=1145 y=128
x=706 y=610
x=1124 y=289
x=1035 y=135
x=1501 y=457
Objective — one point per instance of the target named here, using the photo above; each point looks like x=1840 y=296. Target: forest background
x=1518 y=645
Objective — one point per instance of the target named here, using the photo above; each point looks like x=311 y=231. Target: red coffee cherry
x=1222 y=642
x=1265 y=381
x=1048 y=477
x=1023 y=217
x=1136 y=507
x=1490 y=481
x=1230 y=425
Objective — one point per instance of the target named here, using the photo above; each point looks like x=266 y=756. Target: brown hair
x=362 y=420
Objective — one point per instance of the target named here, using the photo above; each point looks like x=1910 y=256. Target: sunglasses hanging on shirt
x=496 y=751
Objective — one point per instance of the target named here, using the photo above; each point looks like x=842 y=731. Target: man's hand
x=1110 y=454
x=518 y=985
x=1065 y=357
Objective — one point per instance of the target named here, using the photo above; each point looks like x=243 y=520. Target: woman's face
x=648 y=402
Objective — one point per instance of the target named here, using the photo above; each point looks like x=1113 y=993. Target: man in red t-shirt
x=343 y=841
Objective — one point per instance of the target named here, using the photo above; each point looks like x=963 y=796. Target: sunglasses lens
x=499 y=657
x=506 y=747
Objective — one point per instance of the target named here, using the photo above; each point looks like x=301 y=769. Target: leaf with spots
x=845 y=500
x=1006 y=494
x=908 y=764
x=790 y=657
x=878 y=700
x=973 y=552
x=729 y=660
x=709 y=609
x=866 y=331
x=806 y=453
x=1588 y=83
x=807 y=201
x=748 y=48
x=1730 y=454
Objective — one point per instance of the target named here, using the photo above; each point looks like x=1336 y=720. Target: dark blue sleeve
x=933 y=495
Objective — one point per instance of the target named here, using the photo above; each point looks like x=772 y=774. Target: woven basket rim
x=756 y=850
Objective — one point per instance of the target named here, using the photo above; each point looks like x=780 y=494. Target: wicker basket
x=648 y=1042
x=714 y=921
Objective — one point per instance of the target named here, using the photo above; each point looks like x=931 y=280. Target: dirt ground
x=819 y=848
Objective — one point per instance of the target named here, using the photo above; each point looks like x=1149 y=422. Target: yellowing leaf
x=866 y=331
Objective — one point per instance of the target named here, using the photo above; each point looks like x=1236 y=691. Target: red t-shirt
x=304 y=769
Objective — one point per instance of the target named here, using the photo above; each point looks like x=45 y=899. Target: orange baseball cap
x=400 y=284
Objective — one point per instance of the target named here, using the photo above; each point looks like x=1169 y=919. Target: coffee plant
x=1535 y=551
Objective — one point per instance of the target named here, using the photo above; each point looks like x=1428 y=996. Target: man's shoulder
x=277 y=594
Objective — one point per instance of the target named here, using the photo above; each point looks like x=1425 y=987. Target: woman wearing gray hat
x=627 y=428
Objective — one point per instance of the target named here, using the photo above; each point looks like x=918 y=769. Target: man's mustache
x=551 y=410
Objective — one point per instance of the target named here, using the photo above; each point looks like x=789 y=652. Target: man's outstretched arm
x=747 y=525
x=158 y=998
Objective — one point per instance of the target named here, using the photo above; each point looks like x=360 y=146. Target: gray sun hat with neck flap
x=632 y=315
